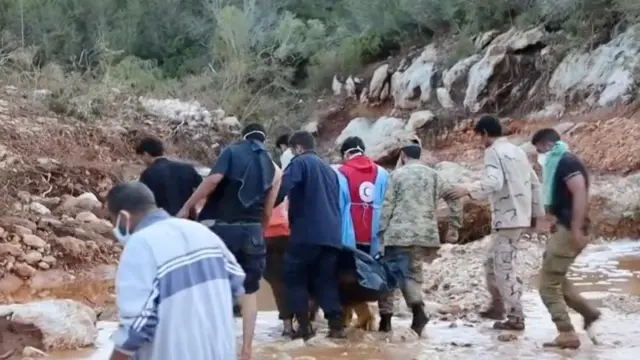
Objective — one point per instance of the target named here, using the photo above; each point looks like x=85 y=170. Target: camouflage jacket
x=409 y=211
x=510 y=184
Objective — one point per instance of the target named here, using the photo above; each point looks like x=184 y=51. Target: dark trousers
x=246 y=243
x=312 y=267
x=276 y=248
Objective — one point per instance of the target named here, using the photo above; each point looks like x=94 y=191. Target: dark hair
x=545 y=135
x=151 y=146
x=253 y=131
x=304 y=139
x=282 y=140
x=412 y=151
x=490 y=125
x=353 y=144
x=134 y=197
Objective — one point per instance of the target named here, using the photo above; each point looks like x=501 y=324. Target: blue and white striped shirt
x=174 y=289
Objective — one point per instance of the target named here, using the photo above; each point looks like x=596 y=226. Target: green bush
x=251 y=56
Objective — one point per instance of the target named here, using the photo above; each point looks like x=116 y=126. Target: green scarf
x=552 y=159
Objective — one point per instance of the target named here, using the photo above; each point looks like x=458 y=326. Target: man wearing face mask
x=566 y=197
x=310 y=261
x=409 y=225
x=240 y=194
x=362 y=184
x=174 y=283
x=513 y=189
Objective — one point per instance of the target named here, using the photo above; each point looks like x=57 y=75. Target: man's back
x=172 y=183
x=416 y=191
x=194 y=280
x=512 y=204
x=314 y=208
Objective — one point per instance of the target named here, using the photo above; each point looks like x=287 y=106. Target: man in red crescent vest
x=361 y=173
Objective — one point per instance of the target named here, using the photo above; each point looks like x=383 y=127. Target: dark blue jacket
x=314 y=202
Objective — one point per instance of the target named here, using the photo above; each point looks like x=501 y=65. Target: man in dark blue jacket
x=315 y=242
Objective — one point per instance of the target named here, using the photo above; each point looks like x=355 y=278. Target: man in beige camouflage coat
x=513 y=189
x=409 y=224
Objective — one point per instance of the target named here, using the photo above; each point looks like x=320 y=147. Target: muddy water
x=600 y=271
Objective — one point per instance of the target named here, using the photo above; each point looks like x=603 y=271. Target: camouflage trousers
x=412 y=288
x=555 y=290
x=504 y=285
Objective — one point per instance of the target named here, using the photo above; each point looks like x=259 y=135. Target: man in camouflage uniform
x=409 y=223
x=513 y=189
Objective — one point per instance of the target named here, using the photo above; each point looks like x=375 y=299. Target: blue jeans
x=246 y=243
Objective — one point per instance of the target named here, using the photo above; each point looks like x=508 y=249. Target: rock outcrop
x=48 y=325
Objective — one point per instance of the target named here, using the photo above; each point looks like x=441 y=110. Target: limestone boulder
x=62 y=324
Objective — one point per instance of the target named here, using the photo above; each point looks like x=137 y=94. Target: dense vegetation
x=245 y=56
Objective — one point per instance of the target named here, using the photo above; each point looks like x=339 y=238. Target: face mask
x=254 y=132
x=122 y=235
x=541 y=159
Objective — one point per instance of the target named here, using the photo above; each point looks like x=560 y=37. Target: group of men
x=177 y=277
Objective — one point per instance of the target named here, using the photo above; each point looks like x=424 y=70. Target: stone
x=65 y=324
x=22 y=231
x=71 y=246
x=43 y=265
x=10 y=249
x=39 y=208
x=32 y=352
x=24 y=270
x=33 y=257
x=49 y=260
x=419 y=119
x=34 y=241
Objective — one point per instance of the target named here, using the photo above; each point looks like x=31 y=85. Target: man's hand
x=245 y=353
x=579 y=239
x=456 y=193
x=183 y=213
x=117 y=355
x=452 y=235
x=541 y=225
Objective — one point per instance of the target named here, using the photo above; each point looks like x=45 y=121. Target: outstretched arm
x=493 y=179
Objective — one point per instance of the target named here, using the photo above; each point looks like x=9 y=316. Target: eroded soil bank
x=607 y=273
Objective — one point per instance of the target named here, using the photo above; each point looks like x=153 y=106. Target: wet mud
x=602 y=271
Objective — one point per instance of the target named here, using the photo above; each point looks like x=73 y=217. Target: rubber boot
x=385 y=323
x=564 y=340
x=336 y=328
x=420 y=319
x=305 y=330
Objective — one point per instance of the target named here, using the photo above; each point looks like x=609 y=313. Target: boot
x=589 y=321
x=336 y=328
x=564 y=340
x=237 y=311
x=305 y=330
x=385 y=323
x=512 y=323
x=420 y=319
x=493 y=312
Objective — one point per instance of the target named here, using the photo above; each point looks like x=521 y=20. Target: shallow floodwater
x=602 y=270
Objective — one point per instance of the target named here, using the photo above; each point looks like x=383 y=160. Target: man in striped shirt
x=174 y=283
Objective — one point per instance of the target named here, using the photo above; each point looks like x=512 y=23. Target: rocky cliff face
x=532 y=78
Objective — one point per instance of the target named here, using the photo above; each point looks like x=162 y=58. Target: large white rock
x=610 y=67
x=417 y=75
x=65 y=324
x=380 y=136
